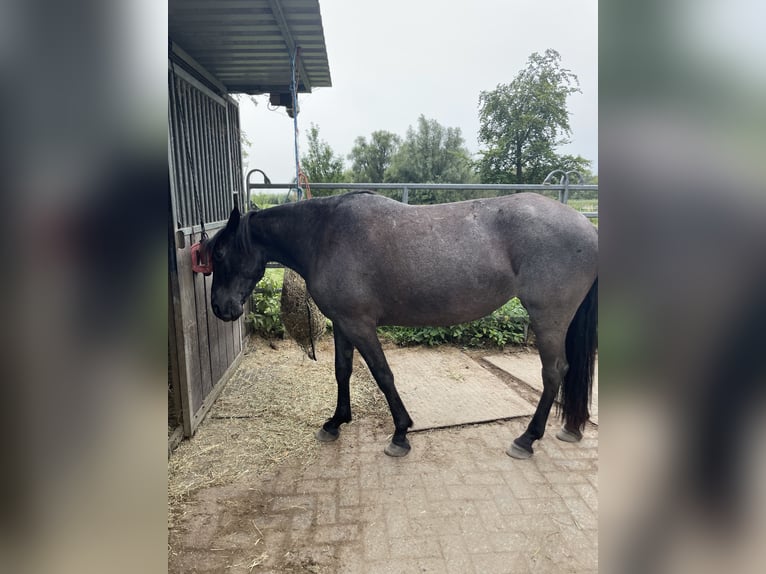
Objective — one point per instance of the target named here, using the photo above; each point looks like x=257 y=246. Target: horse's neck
x=287 y=236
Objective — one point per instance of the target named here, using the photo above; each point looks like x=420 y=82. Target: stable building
x=216 y=49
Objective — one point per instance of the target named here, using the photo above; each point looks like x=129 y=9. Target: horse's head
x=238 y=265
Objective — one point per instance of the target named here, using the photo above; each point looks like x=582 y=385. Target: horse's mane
x=241 y=240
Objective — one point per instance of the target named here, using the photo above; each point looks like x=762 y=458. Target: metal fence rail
x=563 y=189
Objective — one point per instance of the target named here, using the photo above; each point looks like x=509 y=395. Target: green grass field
x=276 y=275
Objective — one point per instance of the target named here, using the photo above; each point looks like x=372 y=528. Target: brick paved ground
x=457 y=503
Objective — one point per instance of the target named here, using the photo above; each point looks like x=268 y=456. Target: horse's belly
x=438 y=311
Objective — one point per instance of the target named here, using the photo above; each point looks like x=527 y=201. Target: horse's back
x=447 y=263
x=472 y=230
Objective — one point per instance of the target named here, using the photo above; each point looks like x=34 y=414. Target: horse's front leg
x=344 y=358
x=365 y=338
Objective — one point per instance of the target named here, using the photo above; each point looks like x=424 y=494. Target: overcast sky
x=391 y=61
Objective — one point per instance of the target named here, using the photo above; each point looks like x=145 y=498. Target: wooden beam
x=181 y=54
x=279 y=16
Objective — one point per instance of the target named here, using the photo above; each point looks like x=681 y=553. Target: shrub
x=506 y=325
x=265 y=307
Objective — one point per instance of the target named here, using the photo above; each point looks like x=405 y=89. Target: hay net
x=303 y=320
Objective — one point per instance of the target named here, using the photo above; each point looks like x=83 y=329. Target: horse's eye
x=219 y=254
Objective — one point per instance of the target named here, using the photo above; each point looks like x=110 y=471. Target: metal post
x=548 y=179
x=405 y=194
x=563 y=181
x=566 y=183
x=249 y=185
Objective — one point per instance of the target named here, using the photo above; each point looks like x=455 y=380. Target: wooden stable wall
x=206 y=176
x=205 y=346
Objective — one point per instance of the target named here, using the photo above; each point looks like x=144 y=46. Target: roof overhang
x=247 y=45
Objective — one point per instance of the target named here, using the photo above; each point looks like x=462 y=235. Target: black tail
x=581 y=345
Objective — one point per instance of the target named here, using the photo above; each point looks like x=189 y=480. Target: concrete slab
x=443 y=387
x=525 y=366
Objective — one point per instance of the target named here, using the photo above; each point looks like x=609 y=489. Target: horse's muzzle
x=229 y=312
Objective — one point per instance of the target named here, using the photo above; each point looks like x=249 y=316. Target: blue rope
x=294 y=93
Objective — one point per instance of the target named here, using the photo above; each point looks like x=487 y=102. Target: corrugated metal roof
x=247 y=44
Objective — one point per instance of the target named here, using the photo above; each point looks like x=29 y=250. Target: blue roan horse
x=368 y=261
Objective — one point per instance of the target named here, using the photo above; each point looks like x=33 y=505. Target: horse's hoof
x=396 y=450
x=568 y=436
x=516 y=451
x=323 y=436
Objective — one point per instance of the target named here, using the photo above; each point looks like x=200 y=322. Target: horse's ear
x=233 y=222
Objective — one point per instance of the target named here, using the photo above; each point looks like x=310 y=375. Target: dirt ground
x=254 y=492
x=266 y=416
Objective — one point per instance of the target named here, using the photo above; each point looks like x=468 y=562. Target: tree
x=320 y=164
x=371 y=160
x=432 y=154
x=522 y=123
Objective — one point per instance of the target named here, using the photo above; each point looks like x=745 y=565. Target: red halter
x=201 y=261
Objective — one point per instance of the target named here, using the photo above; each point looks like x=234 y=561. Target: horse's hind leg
x=365 y=339
x=344 y=357
x=551 y=345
